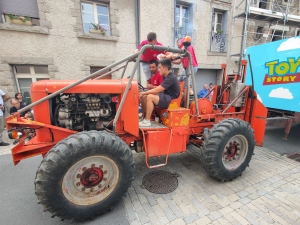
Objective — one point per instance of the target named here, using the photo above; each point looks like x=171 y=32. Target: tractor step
x=154 y=125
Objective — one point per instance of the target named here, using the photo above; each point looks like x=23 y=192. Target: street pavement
x=274 y=140
x=267 y=193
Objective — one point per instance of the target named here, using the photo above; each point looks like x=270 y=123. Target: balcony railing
x=218 y=42
x=182 y=32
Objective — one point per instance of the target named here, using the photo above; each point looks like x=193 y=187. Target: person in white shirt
x=3 y=98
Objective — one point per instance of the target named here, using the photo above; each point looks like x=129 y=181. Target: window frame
x=180 y=14
x=95 y=13
x=32 y=75
x=215 y=23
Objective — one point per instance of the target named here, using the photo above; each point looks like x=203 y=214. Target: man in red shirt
x=149 y=54
x=185 y=64
x=156 y=78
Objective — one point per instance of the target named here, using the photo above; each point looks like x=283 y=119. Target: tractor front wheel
x=84 y=175
x=227 y=149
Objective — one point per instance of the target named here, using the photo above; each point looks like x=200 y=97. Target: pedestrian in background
x=19 y=97
x=3 y=98
x=202 y=93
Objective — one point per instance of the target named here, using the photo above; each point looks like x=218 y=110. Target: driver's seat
x=175 y=103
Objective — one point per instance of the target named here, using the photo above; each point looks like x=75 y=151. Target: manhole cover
x=294 y=156
x=160 y=182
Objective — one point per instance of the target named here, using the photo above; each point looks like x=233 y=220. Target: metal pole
x=244 y=37
x=77 y=82
x=137 y=36
x=162 y=48
x=194 y=83
x=110 y=72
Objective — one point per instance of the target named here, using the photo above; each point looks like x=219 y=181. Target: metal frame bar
x=137 y=57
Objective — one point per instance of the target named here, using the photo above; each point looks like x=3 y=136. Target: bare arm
x=153 y=91
x=5 y=97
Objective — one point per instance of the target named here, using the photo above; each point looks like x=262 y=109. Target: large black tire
x=84 y=175
x=227 y=149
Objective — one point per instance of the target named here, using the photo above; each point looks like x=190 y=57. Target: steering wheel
x=141 y=87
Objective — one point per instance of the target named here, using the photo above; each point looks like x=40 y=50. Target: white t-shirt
x=1 y=101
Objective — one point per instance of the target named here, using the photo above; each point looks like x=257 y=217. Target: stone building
x=43 y=39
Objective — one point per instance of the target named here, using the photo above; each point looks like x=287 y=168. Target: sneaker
x=4 y=144
x=145 y=123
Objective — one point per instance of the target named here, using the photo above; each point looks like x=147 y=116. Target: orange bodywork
x=178 y=127
x=47 y=135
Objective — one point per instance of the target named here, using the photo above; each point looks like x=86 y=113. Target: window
x=182 y=21
x=95 y=13
x=259 y=33
x=217 y=22
x=285 y=2
x=297 y=32
x=12 y=7
x=218 y=31
x=26 y=75
x=93 y=69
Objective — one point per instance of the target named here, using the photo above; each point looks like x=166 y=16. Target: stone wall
x=60 y=43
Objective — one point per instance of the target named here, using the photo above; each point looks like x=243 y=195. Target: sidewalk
x=268 y=192
x=6 y=149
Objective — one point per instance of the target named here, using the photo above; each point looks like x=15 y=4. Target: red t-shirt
x=156 y=79
x=149 y=54
x=185 y=60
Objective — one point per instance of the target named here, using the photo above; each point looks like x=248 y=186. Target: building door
x=205 y=76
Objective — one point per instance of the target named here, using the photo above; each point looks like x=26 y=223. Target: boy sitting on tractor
x=161 y=95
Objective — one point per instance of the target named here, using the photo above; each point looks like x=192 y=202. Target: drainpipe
x=174 y=21
x=137 y=36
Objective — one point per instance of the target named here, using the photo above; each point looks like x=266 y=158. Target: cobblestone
x=265 y=194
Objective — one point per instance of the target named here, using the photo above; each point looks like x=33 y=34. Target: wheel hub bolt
x=84 y=169
x=78 y=184
x=93 y=165
x=83 y=189
x=100 y=186
x=92 y=189
x=100 y=166
x=104 y=178
x=105 y=171
x=78 y=175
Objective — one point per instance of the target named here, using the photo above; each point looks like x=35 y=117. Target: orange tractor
x=85 y=130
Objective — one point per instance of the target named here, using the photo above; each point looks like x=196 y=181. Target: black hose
x=252 y=94
x=55 y=115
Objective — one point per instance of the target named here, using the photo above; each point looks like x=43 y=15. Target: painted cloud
x=281 y=93
x=259 y=98
x=291 y=43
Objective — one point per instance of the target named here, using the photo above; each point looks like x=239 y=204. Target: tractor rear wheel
x=84 y=175
x=227 y=149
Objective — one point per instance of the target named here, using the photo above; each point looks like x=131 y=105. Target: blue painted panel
x=276 y=70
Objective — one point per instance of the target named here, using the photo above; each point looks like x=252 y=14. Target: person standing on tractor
x=161 y=95
x=185 y=64
x=149 y=54
x=156 y=77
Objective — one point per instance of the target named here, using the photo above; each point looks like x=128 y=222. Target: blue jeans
x=183 y=76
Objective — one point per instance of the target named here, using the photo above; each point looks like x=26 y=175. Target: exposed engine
x=84 y=111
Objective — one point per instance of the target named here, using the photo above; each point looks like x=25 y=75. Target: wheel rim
x=90 y=180
x=235 y=152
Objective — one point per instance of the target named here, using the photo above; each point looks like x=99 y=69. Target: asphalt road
x=19 y=203
x=274 y=140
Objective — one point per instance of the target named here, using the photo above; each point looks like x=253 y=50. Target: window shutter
x=20 y=7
